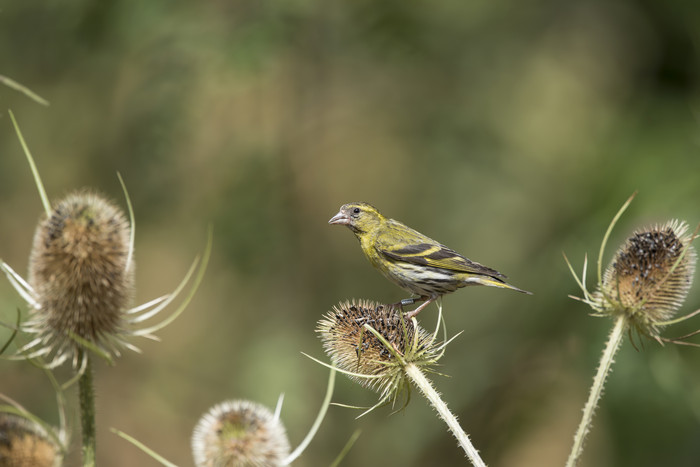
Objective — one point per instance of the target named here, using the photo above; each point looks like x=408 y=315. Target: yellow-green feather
x=408 y=258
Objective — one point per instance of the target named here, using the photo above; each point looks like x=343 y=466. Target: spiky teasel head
x=81 y=274
x=239 y=433
x=81 y=280
x=24 y=443
x=649 y=277
x=373 y=343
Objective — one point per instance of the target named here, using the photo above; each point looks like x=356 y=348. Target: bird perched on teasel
x=411 y=260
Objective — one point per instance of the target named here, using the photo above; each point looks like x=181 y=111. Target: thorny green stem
x=86 y=395
x=606 y=361
x=423 y=383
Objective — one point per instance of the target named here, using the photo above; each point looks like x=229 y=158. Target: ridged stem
x=606 y=361
x=86 y=394
x=433 y=396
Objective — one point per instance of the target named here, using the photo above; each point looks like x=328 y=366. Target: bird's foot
x=428 y=301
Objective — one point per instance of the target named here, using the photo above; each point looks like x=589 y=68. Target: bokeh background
x=509 y=131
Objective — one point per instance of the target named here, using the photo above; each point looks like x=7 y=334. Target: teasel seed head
x=649 y=278
x=24 y=443
x=239 y=433
x=376 y=363
x=81 y=274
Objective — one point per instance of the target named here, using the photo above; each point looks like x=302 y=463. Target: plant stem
x=606 y=361
x=432 y=395
x=87 y=411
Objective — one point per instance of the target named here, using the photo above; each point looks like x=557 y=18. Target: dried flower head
x=239 y=433
x=373 y=343
x=642 y=288
x=649 y=278
x=80 y=272
x=81 y=280
x=24 y=443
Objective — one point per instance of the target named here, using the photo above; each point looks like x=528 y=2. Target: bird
x=411 y=260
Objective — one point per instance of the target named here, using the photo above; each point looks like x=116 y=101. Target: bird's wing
x=401 y=243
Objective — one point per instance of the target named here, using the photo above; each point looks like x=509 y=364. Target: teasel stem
x=414 y=373
x=424 y=385
x=86 y=395
x=606 y=361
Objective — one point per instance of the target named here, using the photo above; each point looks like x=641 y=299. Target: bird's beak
x=341 y=219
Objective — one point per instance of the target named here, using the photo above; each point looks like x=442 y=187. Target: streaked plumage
x=411 y=260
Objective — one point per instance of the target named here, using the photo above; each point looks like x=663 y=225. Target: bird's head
x=359 y=217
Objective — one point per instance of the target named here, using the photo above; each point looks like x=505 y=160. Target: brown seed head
x=355 y=349
x=25 y=444
x=239 y=433
x=78 y=270
x=650 y=276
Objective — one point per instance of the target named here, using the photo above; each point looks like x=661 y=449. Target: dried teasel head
x=24 y=443
x=376 y=360
x=649 y=277
x=239 y=433
x=81 y=275
x=82 y=279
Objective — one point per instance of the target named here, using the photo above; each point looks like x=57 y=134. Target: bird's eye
x=356 y=211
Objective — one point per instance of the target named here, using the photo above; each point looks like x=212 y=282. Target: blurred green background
x=510 y=131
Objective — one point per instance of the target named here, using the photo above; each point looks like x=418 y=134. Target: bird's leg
x=412 y=300
x=409 y=301
x=428 y=301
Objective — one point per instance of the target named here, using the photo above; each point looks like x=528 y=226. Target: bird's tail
x=495 y=282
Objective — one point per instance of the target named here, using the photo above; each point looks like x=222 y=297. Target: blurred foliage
x=509 y=131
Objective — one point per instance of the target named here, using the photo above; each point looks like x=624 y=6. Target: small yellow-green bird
x=411 y=260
